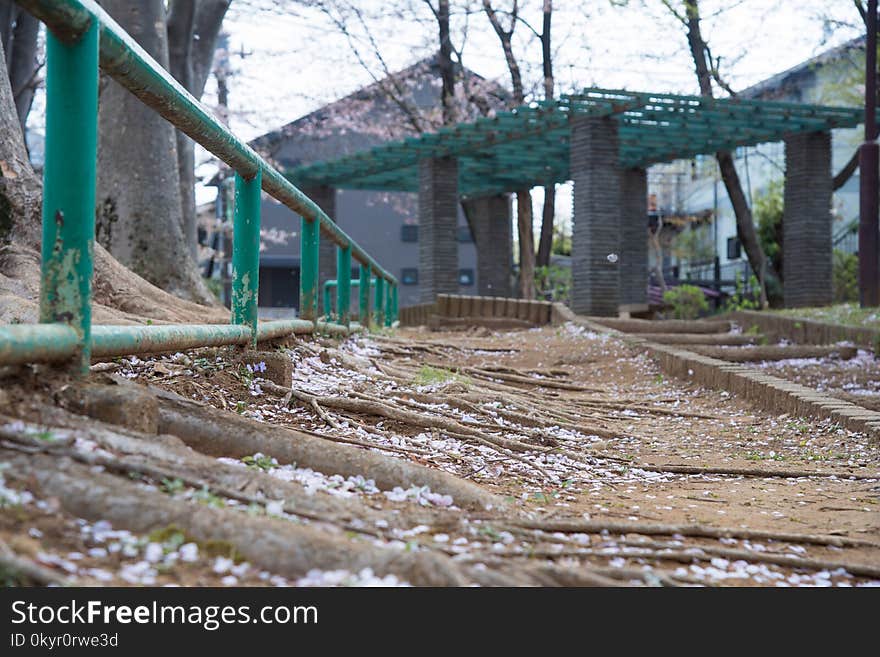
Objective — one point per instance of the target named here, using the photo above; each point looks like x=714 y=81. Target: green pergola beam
x=529 y=145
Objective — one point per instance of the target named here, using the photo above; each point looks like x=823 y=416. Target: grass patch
x=429 y=376
x=848 y=314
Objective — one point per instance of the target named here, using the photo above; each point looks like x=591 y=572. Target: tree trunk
x=119 y=296
x=181 y=24
x=545 y=247
x=193 y=27
x=654 y=241
x=139 y=217
x=19 y=34
x=745 y=225
x=526 y=244
x=447 y=74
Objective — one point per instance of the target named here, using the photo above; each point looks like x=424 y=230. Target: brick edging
x=804 y=331
x=764 y=390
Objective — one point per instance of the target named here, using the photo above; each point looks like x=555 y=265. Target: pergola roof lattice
x=529 y=146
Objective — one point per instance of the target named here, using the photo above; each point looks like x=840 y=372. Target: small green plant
x=845 y=277
x=171 y=486
x=687 y=301
x=429 y=376
x=553 y=283
x=745 y=296
x=260 y=462
x=45 y=435
x=206 y=497
x=760 y=456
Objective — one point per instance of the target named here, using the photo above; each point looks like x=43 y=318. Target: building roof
x=529 y=145
x=788 y=83
x=386 y=110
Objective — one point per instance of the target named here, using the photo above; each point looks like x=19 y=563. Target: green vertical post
x=380 y=301
x=343 y=284
x=327 y=307
x=308 y=269
x=394 y=308
x=246 y=252
x=364 y=296
x=69 y=176
x=389 y=305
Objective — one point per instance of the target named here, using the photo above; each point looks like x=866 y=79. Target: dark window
x=465 y=277
x=464 y=235
x=202 y=236
x=409 y=276
x=355 y=273
x=409 y=233
x=279 y=287
x=734 y=248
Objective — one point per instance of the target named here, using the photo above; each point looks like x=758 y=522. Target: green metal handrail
x=82 y=37
x=343 y=298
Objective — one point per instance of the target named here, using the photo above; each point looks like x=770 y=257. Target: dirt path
x=606 y=472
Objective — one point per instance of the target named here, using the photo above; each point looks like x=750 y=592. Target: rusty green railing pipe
x=364 y=295
x=280 y=328
x=246 y=253
x=125 y=340
x=343 y=284
x=389 y=303
x=310 y=242
x=56 y=343
x=394 y=307
x=69 y=175
x=40 y=343
x=127 y=63
x=354 y=282
x=379 y=296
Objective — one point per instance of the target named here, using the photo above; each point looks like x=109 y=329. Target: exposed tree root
x=276 y=545
x=24 y=571
x=225 y=434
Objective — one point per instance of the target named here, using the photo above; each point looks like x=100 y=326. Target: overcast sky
x=295 y=61
x=290 y=60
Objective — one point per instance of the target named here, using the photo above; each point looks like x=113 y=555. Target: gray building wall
x=372 y=219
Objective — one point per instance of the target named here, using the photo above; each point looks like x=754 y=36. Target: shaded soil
x=575 y=430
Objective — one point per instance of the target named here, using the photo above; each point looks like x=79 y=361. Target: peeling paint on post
x=308 y=275
x=328 y=306
x=380 y=301
x=246 y=253
x=343 y=284
x=69 y=184
x=364 y=296
x=389 y=303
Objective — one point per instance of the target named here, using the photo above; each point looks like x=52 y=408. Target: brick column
x=490 y=220
x=596 y=216
x=325 y=198
x=633 y=236
x=806 y=239
x=438 y=218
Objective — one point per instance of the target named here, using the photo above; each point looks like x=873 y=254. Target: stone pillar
x=596 y=216
x=438 y=219
x=490 y=221
x=633 y=237
x=325 y=198
x=806 y=238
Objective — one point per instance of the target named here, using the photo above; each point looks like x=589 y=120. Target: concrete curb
x=804 y=331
